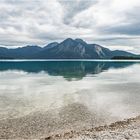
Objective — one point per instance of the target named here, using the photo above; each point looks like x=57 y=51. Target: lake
x=42 y=97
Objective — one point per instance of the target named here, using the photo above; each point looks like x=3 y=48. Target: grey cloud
x=131 y=29
x=129 y=26
x=126 y=29
x=73 y=7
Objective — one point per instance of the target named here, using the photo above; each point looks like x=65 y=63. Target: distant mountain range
x=68 y=49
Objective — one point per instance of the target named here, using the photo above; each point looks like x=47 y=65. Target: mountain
x=19 y=53
x=51 y=45
x=67 y=49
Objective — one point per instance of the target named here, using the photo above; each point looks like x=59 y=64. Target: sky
x=111 y=23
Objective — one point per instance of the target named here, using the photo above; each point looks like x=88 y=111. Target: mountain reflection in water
x=67 y=69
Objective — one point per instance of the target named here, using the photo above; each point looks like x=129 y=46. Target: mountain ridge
x=67 y=49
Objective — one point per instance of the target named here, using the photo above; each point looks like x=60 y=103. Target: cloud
x=107 y=22
x=72 y=8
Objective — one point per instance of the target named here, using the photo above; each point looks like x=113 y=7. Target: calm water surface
x=58 y=95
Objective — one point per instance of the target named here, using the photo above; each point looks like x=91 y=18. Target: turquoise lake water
x=80 y=92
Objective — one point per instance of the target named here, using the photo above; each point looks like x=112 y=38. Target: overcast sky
x=112 y=23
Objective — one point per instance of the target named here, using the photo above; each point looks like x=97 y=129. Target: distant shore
x=127 y=129
x=70 y=60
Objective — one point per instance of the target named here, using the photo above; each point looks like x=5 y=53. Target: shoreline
x=116 y=130
x=126 y=129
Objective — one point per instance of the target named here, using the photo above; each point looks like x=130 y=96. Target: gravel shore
x=73 y=122
x=128 y=129
x=122 y=130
